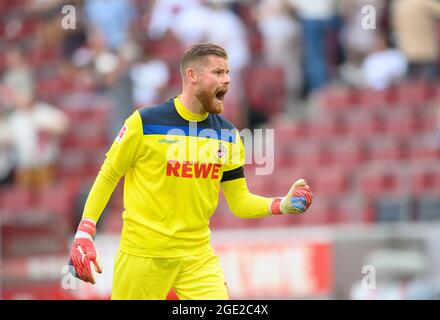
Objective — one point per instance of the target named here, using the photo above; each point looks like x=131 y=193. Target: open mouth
x=220 y=95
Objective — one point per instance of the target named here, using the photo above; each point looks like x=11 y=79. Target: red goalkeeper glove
x=298 y=200
x=83 y=255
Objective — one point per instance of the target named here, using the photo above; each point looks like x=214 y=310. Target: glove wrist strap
x=275 y=207
x=86 y=229
x=83 y=235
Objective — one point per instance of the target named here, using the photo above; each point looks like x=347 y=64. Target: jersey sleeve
x=243 y=203
x=122 y=155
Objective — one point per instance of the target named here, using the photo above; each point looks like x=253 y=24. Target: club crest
x=221 y=150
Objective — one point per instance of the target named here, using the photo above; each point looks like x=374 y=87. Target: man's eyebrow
x=221 y=69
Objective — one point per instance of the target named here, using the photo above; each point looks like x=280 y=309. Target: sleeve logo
x=121 y=133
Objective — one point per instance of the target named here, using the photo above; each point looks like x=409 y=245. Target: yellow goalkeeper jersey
x=173 y=161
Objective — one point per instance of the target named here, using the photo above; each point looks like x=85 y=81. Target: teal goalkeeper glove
x=298 y=200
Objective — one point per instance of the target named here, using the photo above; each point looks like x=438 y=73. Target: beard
x=210 y=102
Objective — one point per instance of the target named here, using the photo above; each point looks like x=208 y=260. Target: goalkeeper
x=170 y=193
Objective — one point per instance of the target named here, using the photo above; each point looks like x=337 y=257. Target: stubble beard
x=210 y=102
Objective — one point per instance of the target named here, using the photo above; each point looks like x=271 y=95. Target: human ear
x=191 y=75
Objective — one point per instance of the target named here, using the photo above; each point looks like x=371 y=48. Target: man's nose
x=227 y=79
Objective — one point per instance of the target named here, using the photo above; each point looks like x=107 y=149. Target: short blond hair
x=201 y=51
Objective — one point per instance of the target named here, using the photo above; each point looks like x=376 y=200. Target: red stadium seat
x=402 y=122
x=332 y=181
x=413 y=93
x=281 y=180
x=387 y=148
x=364 y=124
x=379 y=183
x=16 y=26
x=257 y=183
x=59 y=199
x=15 y=200
x=287 y=138
x=311 y=153
x=349 y=152
x=335 y=210
x=82 y=164
x=424 y=146
x=338 y=99
x=290 y=132
x=40 y=57
x=47 y=89
x=377 y=180
x=34 y=236
x=16 y=5
x=84 y=144
x=89 y=130
x=375 y=99
x=328 y=127
x=284 y=158
x=428 y=119
x=322 y=212
x=424 y=179
x=265 y=89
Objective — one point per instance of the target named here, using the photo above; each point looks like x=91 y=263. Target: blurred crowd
x=128 y=51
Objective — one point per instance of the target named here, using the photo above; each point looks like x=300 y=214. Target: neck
x=191 y=103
